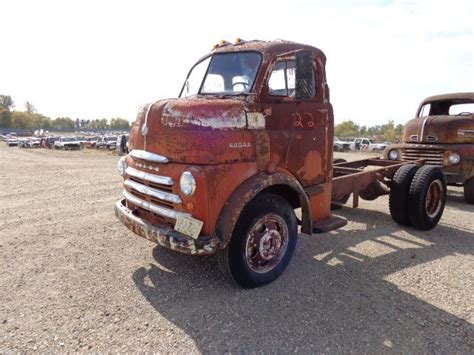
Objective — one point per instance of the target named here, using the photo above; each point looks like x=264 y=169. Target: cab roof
x=270 y=48
x=459 y=96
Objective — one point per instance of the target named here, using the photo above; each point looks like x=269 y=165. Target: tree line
x=30 y=119
x=389 y=131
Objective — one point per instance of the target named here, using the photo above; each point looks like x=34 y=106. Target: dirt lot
x=73 y=279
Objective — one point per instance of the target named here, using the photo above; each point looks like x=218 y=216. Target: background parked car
x=67 y=143
x=367 y=144
x=108 y=142
x=340 y=145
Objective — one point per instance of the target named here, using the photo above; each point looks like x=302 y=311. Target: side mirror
x=305 y=86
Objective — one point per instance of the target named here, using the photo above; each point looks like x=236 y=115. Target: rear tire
x=427 y=197
x=399 y=189
x=262 y=243
x=469 y=190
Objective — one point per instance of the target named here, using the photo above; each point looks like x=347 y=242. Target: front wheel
x=262 y=243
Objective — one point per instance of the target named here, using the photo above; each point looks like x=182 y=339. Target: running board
x=329 y=224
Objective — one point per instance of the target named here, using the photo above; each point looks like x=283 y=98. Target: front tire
x=262 y=243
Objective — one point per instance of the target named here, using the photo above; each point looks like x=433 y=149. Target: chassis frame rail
x=355 y=176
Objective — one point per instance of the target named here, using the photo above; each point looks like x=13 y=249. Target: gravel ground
x=74 y=279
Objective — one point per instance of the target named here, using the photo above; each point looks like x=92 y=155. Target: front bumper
x=164 y=235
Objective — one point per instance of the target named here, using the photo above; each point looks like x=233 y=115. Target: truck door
x=298 y=125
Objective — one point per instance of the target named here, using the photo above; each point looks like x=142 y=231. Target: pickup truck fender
x=277 y=183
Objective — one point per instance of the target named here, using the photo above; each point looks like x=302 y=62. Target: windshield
x=68 y=139
x=447 y=107
x=223 y=73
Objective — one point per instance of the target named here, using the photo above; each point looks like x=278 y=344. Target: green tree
x=29 y=107
x=22 y=120
x=119 y=123
x=347 y=129
x=63 y=122
x=6 y=104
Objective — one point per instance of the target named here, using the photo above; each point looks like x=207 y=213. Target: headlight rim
x=122 y=164
x=396 y=152
x=457 y=159
x=191 y=180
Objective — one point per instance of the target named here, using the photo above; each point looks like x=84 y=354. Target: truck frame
x=221 y=169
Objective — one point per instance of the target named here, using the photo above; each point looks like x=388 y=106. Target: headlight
x=394 y=154
x=187 y=183
x=122 y=165
x=454 y=158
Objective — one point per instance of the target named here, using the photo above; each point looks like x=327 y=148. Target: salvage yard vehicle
x=89 y=142
x=367 y=144
x=32 y=143
x=49 y=142
x=12 y=142
x=221 y=169
x=443 y=134
x=108 y=142
x=67 y=143
x=340 y=146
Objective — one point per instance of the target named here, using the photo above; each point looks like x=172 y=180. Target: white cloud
x=93 y=59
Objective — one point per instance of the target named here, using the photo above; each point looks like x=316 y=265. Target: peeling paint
x=255 y=120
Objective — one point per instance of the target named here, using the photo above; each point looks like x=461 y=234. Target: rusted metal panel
x=238 y=145
x=438 y=154
x=439 y=134
x=165 y=235
x=251 y=188
x=347 y=180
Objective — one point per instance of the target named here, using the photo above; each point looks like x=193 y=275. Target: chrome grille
x=432 y=156
x=151 y=192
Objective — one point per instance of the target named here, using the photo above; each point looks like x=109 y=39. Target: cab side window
x=282 y=79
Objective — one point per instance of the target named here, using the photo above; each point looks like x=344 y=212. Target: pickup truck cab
x=442 y=132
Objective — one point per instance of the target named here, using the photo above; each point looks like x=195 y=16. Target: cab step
x=328 y=224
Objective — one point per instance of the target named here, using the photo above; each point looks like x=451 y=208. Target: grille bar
x=157 y=179
x=146 y=190
x=144 y=155
x=432 y=156
x=162 y=211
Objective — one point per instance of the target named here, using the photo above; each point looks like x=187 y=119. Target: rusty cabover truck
x=222 y=168
x=442 y=132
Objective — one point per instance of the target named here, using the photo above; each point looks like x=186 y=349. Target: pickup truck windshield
x=223 y=73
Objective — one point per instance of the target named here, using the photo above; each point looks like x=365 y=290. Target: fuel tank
x=199 y=130
x=440 y=129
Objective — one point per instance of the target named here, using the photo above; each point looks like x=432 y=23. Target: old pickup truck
x=222 y=169
x=442 y=133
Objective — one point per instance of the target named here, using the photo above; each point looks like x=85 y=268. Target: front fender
x=247 y=191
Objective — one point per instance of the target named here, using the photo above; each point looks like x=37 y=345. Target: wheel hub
x=433 y=198
x=266 y=243
x=270 y=244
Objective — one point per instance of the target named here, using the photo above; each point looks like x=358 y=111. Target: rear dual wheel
x=418 y=196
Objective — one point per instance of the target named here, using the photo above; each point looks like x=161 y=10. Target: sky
x=94 y=59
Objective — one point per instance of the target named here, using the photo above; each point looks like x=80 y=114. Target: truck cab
x=442 y=132
x=252 y=119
